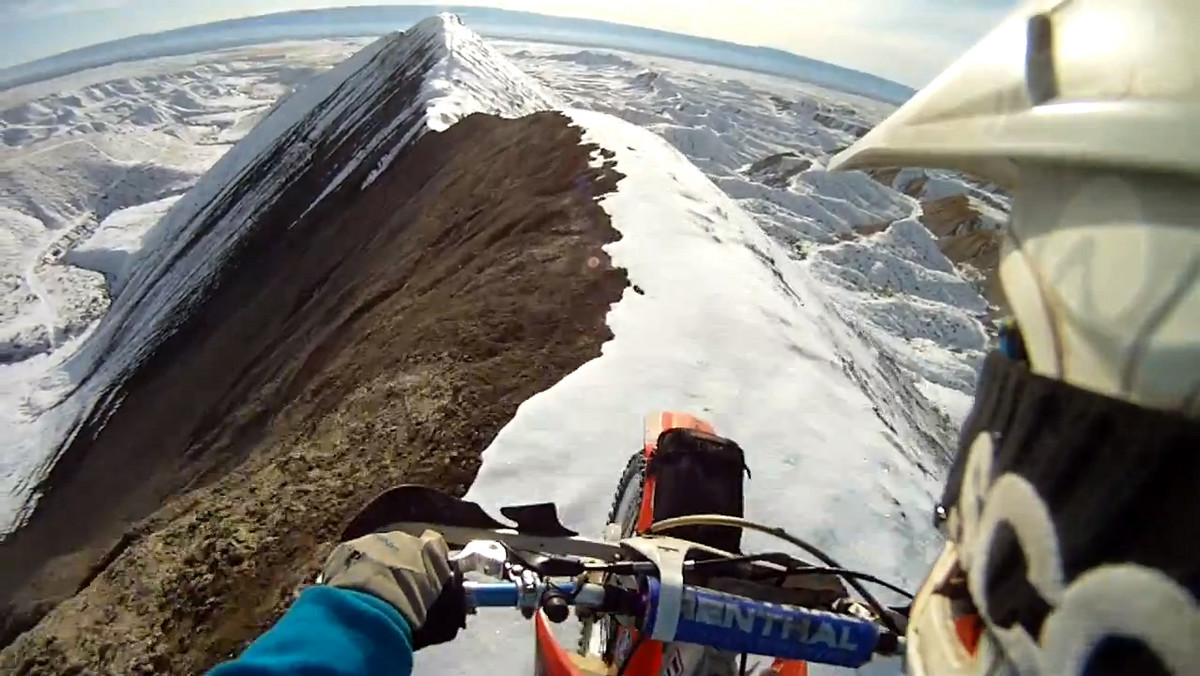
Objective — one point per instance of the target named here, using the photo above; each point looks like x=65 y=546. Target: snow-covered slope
x=724 y=323
x=765 y=142
x=721 y=321
x=117 y=246
x=55 y=194
x=336 y=132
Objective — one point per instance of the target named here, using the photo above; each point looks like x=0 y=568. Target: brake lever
x=482 y=557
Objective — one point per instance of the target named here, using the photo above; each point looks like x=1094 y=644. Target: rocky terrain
x=965 y=222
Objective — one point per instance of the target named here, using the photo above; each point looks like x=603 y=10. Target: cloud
x=39 y=9
x=909 y=41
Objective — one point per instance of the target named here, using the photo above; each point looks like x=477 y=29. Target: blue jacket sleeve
x=330 y=632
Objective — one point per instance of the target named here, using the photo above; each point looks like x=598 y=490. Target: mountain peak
x=438 y=24
x=470 y=76
x=459 y=74
x=342 y=129
x=328 y=139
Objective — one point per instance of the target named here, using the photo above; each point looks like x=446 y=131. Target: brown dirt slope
x=114 y=472
x=388 y=341
x=955 y=223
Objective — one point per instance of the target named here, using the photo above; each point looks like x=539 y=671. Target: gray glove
x=413 y=574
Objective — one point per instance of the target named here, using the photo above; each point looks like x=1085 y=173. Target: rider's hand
x=413 y=574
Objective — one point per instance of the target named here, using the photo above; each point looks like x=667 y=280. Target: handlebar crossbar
x=724 y=621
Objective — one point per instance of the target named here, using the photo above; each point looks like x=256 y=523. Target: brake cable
x=846 y=573
x=746 y=524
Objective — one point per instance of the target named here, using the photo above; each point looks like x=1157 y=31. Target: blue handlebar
x=742 y=625
x=503 y=594
x=724 y=621
x=492 y=594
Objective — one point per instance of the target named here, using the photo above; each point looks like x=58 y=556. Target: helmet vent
x=1041 y=80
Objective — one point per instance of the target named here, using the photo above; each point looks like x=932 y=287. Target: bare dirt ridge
x=387 y=341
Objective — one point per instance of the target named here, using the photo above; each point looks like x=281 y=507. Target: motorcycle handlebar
x=720 y=620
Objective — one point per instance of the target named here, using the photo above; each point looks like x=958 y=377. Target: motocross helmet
x=1072 y=511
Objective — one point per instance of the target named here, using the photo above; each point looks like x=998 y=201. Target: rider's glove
x=413 y=574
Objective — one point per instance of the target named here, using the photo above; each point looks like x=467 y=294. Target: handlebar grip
x=742 y=625
x=492 y=594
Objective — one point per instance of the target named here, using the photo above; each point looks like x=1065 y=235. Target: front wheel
x=599 y=635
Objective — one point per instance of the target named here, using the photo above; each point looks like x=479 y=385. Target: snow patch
x=766 y=142
x=466 y=76
x=117 y=244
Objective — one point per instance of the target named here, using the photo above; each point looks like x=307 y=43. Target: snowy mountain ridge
x=461 y=75
x=338 y=131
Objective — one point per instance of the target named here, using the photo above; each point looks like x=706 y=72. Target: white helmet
x=1073 y=508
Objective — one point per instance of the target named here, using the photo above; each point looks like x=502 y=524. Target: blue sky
x=909 y=41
